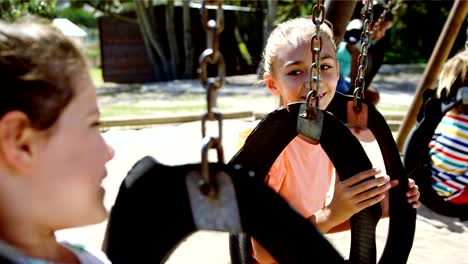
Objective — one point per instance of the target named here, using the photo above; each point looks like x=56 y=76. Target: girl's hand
x=352 y=195
x=413 y=194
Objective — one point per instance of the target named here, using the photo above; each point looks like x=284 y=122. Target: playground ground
x=438 y=239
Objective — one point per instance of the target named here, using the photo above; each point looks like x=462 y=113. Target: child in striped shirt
x=448 y=148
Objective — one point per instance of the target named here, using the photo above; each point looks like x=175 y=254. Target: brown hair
x=37 y=64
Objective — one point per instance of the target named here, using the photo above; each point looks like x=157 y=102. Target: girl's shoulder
x=9 y=254
x=87 y=255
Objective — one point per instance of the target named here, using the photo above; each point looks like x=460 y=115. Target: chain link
x=382 y=15
x=397 y=6
x=360 y=82
x=466 y=40
x=318 y=16
x=211 y=55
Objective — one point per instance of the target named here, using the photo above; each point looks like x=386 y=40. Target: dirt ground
x=181 y=143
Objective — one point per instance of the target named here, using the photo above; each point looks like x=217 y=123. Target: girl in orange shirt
x=304 y=184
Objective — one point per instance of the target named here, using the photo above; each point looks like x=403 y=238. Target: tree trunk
x=269 y=21
x=188 y=50
x=268 y=25
x=171 y=38
x=149 y=50
x=155 y=51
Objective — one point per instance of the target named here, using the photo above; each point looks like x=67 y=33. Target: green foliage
x=244 y=3
x=290 y=8
x=13 y=9
x=416 y=30
x=78 y=16
x=417 y=23
x=417 y=26
x=106 y=6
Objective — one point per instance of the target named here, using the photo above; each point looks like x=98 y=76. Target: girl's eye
x=294 y=72
x=96 y=124
x=325 y=67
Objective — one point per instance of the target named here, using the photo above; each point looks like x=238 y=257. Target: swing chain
x=397 y=6
x=211 y=55
x=466 y=40
x=382 y=15
x=318 y=16
x=359 y=83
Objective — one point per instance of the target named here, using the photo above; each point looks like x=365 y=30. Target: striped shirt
x=448 y=151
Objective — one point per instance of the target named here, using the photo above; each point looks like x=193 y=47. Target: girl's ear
x=271 y=84
x=16 y=141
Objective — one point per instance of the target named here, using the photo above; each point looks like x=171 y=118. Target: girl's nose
x=110 y=152
x=310 y=84
x=307 y=82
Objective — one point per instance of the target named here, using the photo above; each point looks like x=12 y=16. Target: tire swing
x=359 y=114
x=417 y=160
x=277 y=129
x=402 y=220
x=158 y=206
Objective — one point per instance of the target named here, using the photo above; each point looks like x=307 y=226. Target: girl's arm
x=351 y=196
x=329 y=219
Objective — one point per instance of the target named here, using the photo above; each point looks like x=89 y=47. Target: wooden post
x=339 y=12
x=438 y=57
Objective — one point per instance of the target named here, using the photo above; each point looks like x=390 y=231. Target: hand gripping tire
x=402 y=216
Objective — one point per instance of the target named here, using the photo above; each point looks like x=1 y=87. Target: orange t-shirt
x=302 y=175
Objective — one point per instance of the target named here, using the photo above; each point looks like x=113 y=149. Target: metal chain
x=397 y=6
x=211 y=55
x=466 y=40
x=360 y=82
x=382 y=15
x=318 y=16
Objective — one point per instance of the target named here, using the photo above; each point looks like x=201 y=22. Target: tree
x=152 y=41
x=13 y=9
x=171 y=39
x=187 y=40
x=164 y=67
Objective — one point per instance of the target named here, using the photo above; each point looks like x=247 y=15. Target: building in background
x=71 y=30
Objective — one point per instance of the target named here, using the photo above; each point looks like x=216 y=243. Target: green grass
x=110 y=111
x=96 y=76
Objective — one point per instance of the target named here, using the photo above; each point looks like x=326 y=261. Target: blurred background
x=135 y=46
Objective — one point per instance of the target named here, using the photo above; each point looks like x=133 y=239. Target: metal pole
x=339 y=12
x=438 y=57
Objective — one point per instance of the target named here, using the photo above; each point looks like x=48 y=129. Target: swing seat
x=154 y=211
x=417 y=160
x=274 y=133
x=402 y=216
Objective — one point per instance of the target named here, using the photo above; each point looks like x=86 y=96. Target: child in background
x=350 y=48
x=448 y=148
x=347 y=54
x=304 y=184
x=52 y=154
